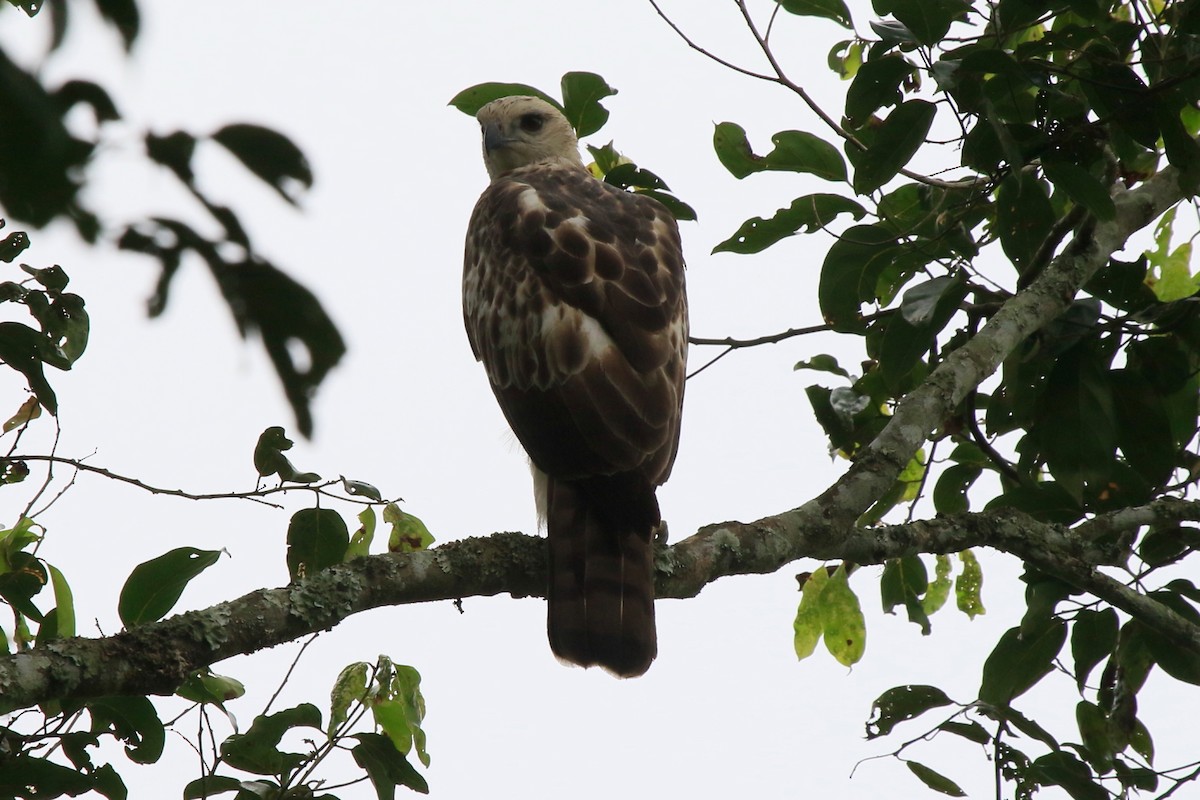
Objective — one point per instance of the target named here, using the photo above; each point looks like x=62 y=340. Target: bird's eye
x=532 y=123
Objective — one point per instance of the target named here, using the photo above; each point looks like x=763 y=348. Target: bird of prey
x=573 y=298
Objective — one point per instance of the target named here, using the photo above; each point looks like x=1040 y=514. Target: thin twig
x=706 y=53
x=287 y=676
x=256 y=495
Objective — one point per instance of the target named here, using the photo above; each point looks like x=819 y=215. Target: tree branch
x=157 y=658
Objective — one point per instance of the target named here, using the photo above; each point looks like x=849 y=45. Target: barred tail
x=601 y=592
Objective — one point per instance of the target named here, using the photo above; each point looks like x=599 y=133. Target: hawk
x=573 y=299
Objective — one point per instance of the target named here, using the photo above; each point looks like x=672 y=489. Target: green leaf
x=1093 y=638
x=927 y=20
x=1024 y=217
x=972 y=731
x=1094 y=733
x=904 y=581
x=807 y=627
x=903 y=703
x=795 y=151
x=582 y=93
x=208 y=687
x=829 y=9
x=360 y=541
x=810 y=213
x=822 y=362
x=386 y=766
x=64 y=603
x=842 y=619
x=409 y=533
x=257 y=750
x=935 y=780
x=471 y=99
x=270 y=155
x=1081 y=186
x=401 y=709
x=950 y=492
x=25 y=578
x=270 y=460
x=26 y=350
x=38 y=778
x=210 y=786
x=939 y=591
x=134 y=721
x=849 y=273
x=895 y=143
x=968 y=588
x=317 y=538
x=877 y=85
x=1018 y=662
x=154 y=586
x=1065 y=770
x=349 y=688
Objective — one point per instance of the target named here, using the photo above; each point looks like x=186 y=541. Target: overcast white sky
x=726 y=710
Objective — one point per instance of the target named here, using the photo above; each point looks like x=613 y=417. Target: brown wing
x=573 y=297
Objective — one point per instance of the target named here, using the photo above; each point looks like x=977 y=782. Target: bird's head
x=519 y=131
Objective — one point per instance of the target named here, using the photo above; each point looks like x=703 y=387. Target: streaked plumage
x=573 y=298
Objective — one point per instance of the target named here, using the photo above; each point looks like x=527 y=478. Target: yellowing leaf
x=842 y=620
x=969 y=585
x=807 y=626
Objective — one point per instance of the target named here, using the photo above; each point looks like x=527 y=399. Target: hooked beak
x=493 y=138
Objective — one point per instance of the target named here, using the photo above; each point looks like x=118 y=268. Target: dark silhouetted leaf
x=895 y=143
x=270 y=155
x=1065 y=770
x=1018 y=662
x=257 y=751
x=823 y=363
x=935 y=780
x=134 y=721
x=1093 y=638
x=1023 y=217
x=154 y=586
x=928 y=20
x=1081 y=186
x=903 y=703
x=950 y=492
x=810 y=213
x=124 y=16
x=386 y=766
x=850 y=271
x=317 y=538
x=829 y=9
x=877 y=85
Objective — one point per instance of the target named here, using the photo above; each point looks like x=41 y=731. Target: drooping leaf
x=1093 y=638
x=950 y=491
x=208 y=687
x=317 y=538
x=349 y=688
x=842 y=619
x=968 y=587
x=928 y=20
x=939 y=590
x=1063 y=769
x=360 y=540
x=1023 y=217
x=386 y=766
x=935 y=780
x=807 y=626
x=1018 y=662
x=154 y=586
